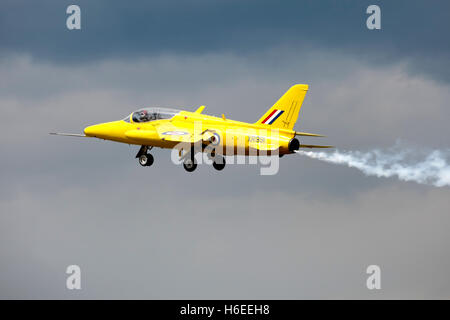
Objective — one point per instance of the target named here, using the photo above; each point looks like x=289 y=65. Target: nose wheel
x=146 y=160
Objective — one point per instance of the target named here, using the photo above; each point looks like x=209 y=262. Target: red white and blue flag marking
x=272 y=116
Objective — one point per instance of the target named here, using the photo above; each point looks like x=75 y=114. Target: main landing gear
x=219 y=162
x=145 y=159
x=217 y=159
x=190 y=164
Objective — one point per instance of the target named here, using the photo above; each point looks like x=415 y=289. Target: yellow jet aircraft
x=193 y=132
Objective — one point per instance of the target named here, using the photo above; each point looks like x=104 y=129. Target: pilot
x=143 y=116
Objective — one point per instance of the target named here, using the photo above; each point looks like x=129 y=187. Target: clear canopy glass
x=152 y=114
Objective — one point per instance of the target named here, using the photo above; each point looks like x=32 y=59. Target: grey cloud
x=293 y=246
x=357 y=106
x=410 y=30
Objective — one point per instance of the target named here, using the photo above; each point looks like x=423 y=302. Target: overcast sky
x=309 y=231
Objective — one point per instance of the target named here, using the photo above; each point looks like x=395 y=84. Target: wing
x=263 y=146
x=170 y=131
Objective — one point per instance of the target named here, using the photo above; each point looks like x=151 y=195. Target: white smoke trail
x=433 y=170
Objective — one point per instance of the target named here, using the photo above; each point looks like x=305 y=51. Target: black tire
x=150 y=160
x=220 y=164
x=189 y=164
x=146 y=160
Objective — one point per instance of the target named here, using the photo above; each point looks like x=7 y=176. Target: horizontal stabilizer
x=314 y=146
x=69 y=134
x=306 y=134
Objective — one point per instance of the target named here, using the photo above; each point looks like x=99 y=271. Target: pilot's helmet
x=143 y=114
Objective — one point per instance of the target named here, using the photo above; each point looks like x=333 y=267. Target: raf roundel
x=174 y=133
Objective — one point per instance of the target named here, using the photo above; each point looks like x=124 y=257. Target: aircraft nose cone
x=108 y=130
x=92 y=131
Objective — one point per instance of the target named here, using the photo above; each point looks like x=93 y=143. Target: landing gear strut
x=145 y=159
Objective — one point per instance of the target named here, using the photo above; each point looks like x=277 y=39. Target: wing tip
x=310 y=146
x=307 y=134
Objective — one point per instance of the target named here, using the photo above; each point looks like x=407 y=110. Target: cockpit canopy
x=152 y=114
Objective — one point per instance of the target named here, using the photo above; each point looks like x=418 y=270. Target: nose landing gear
x=145 y=159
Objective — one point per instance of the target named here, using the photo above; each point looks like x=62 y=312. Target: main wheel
x=219 y=162
x=189 y=164
x=146 y=160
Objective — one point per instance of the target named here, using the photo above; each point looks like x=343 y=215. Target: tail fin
x=284 y=112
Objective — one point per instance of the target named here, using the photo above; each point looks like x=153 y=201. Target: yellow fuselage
x=235 y=137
